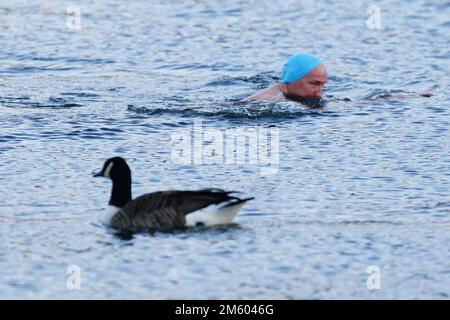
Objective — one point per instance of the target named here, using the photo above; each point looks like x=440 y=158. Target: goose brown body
x=164 y=210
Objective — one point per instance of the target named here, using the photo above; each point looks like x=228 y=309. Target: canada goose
x=164 y=210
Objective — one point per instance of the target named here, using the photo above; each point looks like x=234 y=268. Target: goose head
x=119 y=172
x=114 y=168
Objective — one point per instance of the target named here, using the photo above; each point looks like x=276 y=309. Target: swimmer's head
x=303 y=75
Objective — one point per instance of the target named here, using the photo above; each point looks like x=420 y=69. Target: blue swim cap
x=297 y=66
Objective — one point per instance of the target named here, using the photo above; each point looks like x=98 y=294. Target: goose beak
x=98 y=174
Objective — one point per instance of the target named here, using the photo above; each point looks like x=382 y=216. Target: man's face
x=310 y=86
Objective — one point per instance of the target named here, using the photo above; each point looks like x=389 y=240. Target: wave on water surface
x=233 y=110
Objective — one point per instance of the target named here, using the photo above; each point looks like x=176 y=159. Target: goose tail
x=237 y=201
x=219 y=214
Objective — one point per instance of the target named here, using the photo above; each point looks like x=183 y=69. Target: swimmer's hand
x=426 y=94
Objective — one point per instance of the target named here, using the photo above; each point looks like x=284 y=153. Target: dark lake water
x=360 y=185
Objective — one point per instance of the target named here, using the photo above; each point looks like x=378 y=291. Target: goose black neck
x=121 y=191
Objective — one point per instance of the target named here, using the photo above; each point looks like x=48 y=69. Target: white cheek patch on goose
x=108 y=170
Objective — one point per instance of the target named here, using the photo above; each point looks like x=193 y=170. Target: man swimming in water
x=302 y=80
x=303 y=77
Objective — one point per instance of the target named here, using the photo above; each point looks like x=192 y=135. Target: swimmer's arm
x=396 y=96
x=255 y=96
x=409 y=94
x=268 y=94
x=405 y=94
